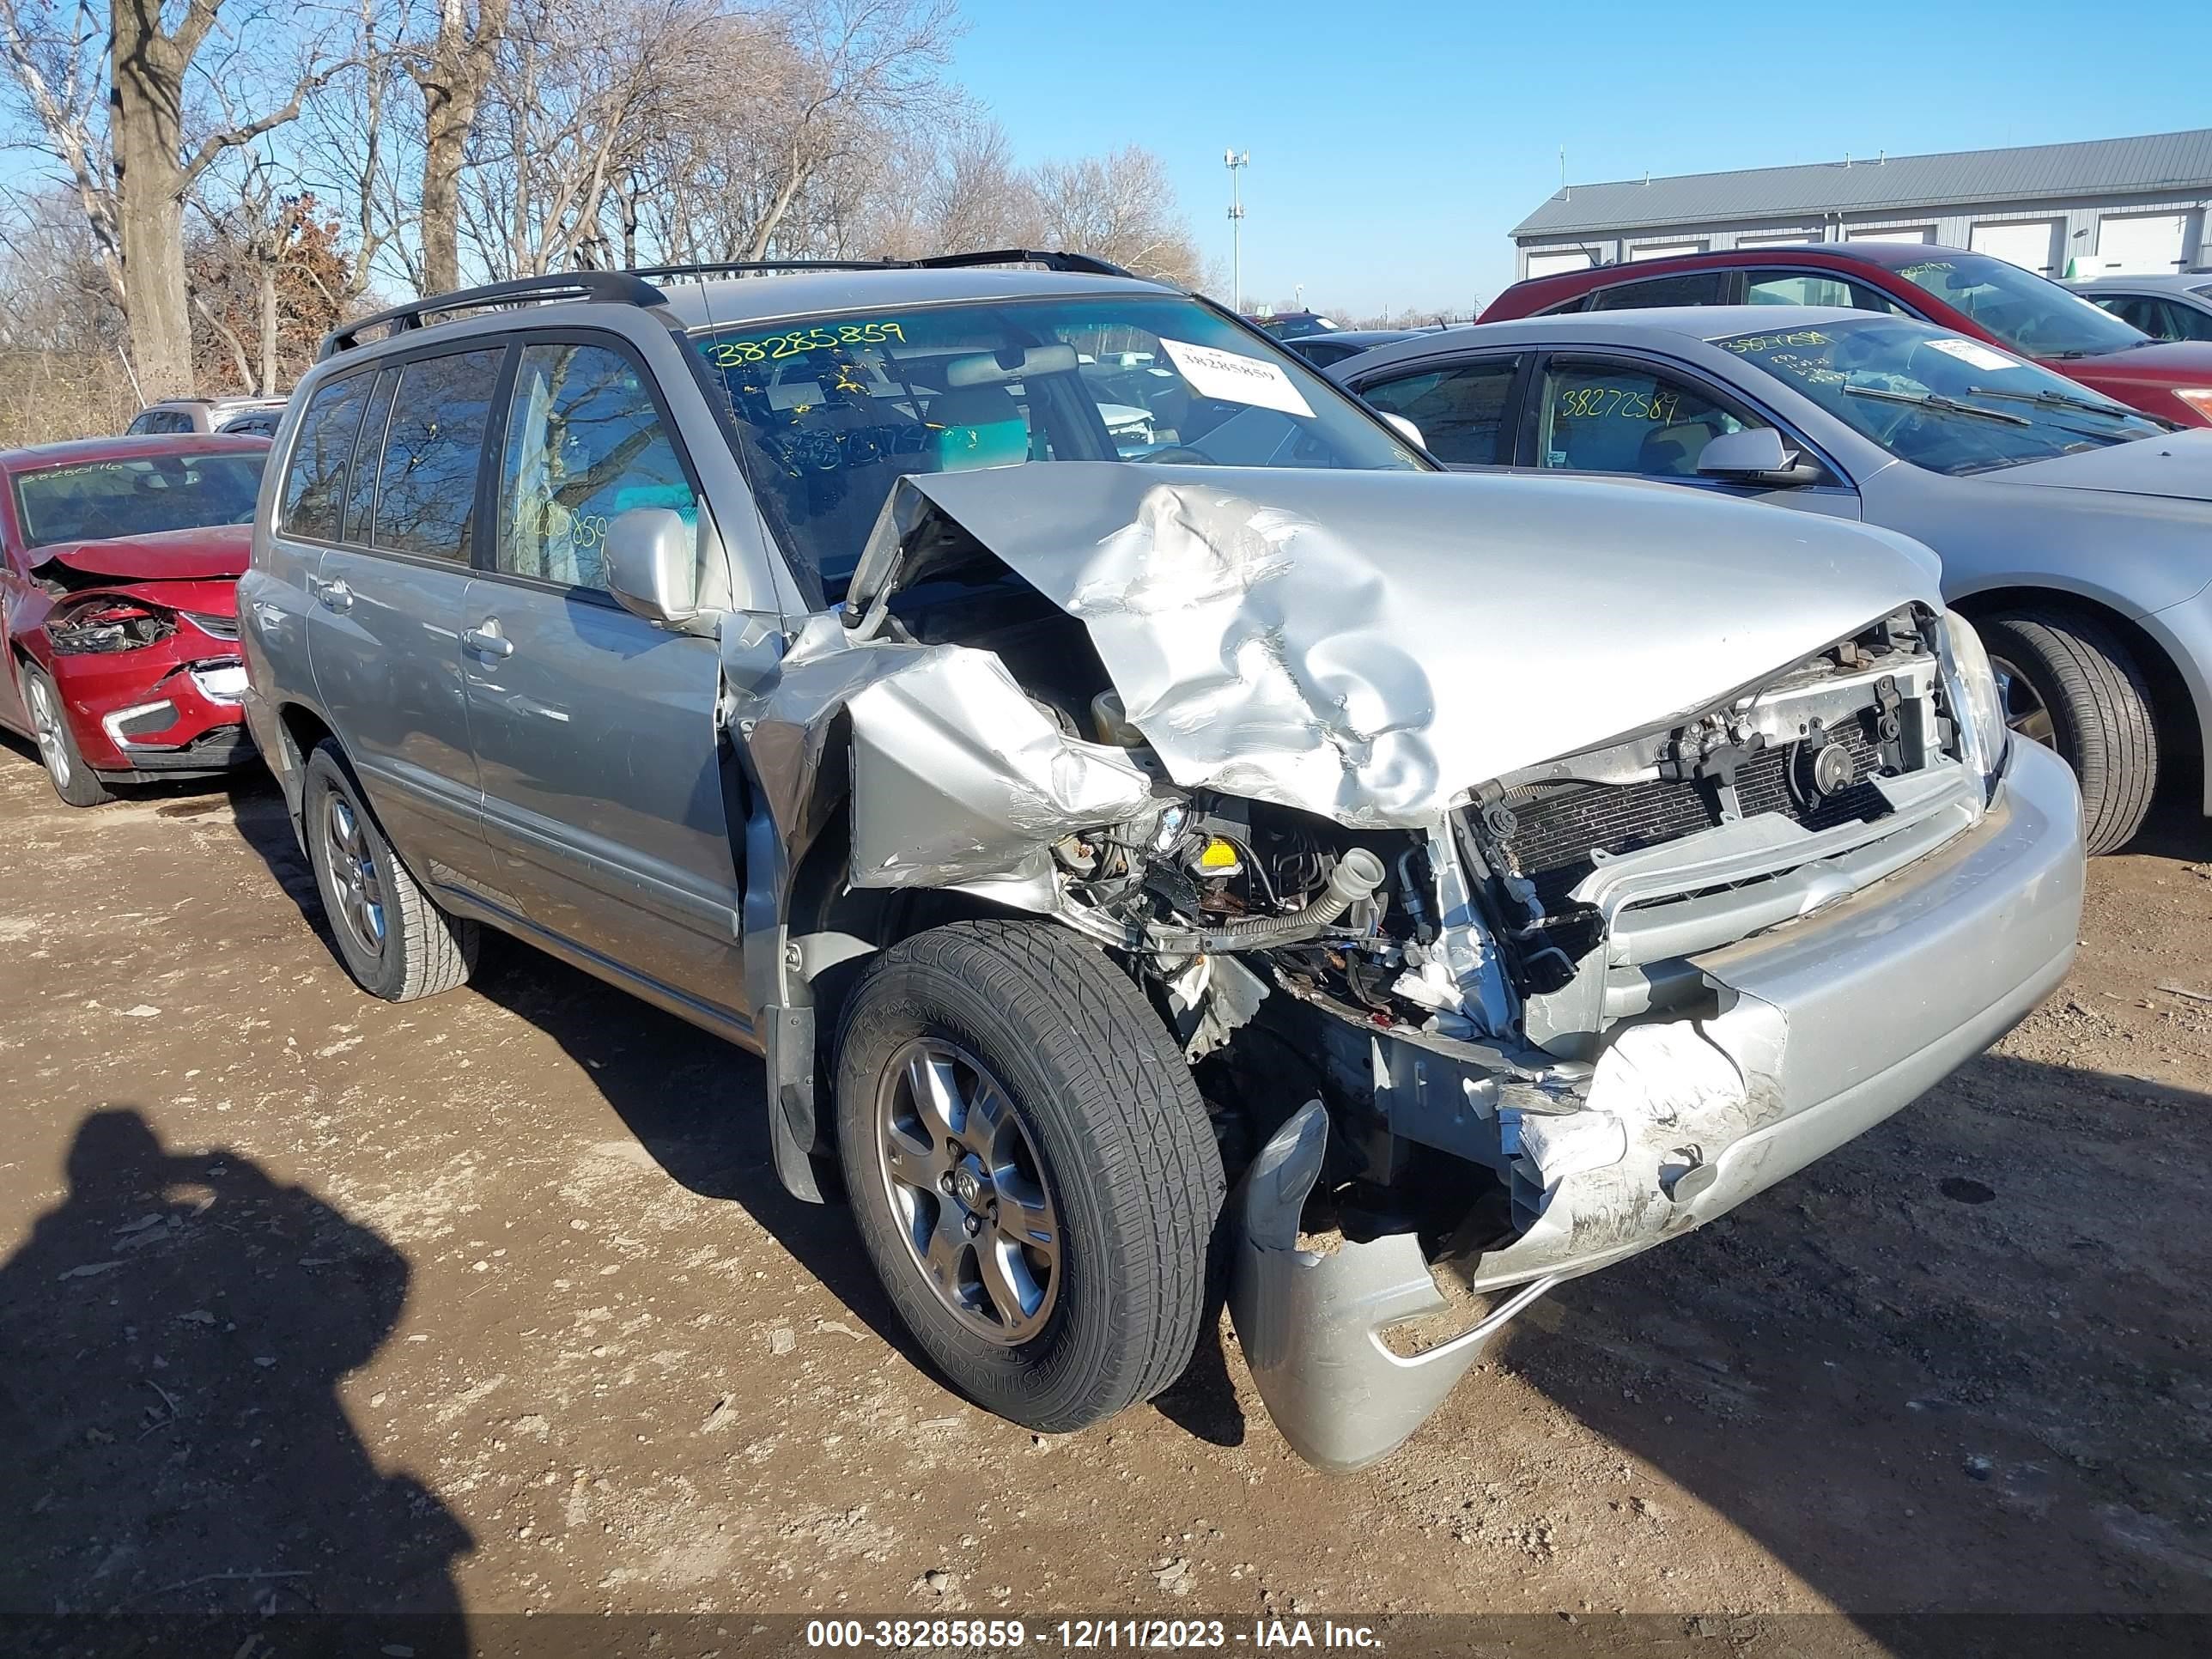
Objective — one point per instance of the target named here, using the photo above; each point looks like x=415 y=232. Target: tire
x=66 y=770
x=391 y=937
x=1097 y=1117
x=2086 y=698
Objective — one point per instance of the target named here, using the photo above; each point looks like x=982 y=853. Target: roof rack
x=761 y=267
x=636 y=287
x=1081 y=264
x=622 y=287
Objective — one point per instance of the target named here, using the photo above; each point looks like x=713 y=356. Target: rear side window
x=583 y=446
x=361 y=494
x=1808 y=289
x=426 y=485
x=1689 y=287
x=1460 y=410
x=314 y=477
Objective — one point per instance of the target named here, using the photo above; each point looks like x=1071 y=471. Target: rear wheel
x=1032 y=1169
x=2071 y=683
x=392 y=935
x=72 y=779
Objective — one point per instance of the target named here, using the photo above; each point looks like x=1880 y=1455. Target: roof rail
x=622 y=287
x=759 y=267
x=1081 y=264
x=637 y=288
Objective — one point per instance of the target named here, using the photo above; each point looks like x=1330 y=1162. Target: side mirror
x=1405 y=429
x=652 y=564
x=1755 y=455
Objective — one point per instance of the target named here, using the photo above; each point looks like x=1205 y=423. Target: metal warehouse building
x=2091 y=209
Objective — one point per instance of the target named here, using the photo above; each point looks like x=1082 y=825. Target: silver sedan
x=2176 y=307
x=2076 y=534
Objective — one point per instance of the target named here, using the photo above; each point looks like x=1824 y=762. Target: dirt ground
x=491 y=1302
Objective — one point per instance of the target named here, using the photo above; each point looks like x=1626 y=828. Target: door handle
x=335 y=596
x=487 y=640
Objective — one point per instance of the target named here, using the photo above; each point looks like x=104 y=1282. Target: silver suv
x=1094 y=761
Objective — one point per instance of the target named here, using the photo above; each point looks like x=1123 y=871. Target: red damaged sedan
x=118 y=606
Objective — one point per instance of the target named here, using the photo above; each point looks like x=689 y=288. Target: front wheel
x=2069 y=684
x=72 y=779
x=1032 y=1169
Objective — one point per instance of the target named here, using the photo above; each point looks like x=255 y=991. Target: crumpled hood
x=1368 y=645
x=213 y=551
x=2176 y=465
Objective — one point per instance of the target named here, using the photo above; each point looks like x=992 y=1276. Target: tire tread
x=1150 y=1153
x=2102 y=714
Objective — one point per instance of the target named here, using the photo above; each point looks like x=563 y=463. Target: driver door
x=1626 y=417
x=594 y=731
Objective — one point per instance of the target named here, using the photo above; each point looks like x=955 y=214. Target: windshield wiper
x=1936 y=400
x=2051 y=399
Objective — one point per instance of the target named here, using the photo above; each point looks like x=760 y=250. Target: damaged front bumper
x=1818 y=1030
x=174 y=707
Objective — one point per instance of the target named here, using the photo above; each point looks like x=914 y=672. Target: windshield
x=834 y=410
x=2035 y=318
x=1940 y=401
x=142 y=496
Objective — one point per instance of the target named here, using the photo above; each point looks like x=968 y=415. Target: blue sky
x=1394 y=146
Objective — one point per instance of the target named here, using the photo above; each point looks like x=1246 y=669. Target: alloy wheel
x=360 y=895
x=968 y=1191
x=2025 y=711
x=46 y=723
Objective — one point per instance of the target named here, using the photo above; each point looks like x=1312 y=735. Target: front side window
x=1934 y=399
x=2034 y=317
x=142 y=496
x=1598 y=415
x=1689 y=287
x=584 y=445
x=1797 y=288
x=2190 y=322
x=315 y=476
x=426 y=486
x=831 y=412
x=1461 y=409
x=2162 y=319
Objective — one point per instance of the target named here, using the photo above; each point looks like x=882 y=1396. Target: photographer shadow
x=172 y=1336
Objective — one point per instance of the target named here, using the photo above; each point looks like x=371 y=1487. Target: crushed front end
x=151 y=676
x=1686 y=965
x=1472 y=1020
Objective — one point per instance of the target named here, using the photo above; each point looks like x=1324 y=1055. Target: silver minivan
x=1096 y=764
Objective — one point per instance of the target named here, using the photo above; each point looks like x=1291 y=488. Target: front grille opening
x=1558 y=826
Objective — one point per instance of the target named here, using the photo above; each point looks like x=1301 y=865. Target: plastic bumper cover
x=1825 y=1027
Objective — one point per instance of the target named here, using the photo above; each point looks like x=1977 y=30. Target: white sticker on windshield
x=1237 y=378
x=1973 y=352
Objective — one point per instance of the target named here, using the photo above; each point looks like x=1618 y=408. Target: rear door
x=594 y=731
x=384 y=632
x=1463 y=406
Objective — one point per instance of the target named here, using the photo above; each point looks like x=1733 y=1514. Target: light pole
x=1233 y=160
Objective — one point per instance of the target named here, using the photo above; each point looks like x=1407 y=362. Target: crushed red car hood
x=213 y=552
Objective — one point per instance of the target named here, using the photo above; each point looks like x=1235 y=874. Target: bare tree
x=63 y=371
x=152 y=148
x=357 y=152
x=854 y=69
x=452 y=72
x=55 y=58
x=1120 y=207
